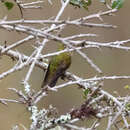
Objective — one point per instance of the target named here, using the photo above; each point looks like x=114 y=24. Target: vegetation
x=97 y=102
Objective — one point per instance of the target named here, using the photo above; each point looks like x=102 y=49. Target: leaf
x=86 y=92
x=81 y=3
x=117 y=4
x=9 y=5
x=85 y=3
x=127 y=87
x=128 y=106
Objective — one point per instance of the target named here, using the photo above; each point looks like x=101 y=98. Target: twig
x=4 y=100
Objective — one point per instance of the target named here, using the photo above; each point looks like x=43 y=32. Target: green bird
x=57 y=67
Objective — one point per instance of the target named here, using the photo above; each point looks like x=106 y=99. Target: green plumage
x=57 y=67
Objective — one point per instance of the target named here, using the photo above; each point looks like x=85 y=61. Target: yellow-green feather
x=63 y=57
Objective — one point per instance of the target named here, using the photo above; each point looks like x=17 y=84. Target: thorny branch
x=98 y=102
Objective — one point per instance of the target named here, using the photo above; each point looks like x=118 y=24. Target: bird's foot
x=63 y=77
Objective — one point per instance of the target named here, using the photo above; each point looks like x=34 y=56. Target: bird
x=57 y=67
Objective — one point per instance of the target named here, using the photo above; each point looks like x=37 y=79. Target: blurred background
x=110 y=61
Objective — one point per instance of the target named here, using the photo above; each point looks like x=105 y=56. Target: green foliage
x=128 y=106
x=86 y=92
x=127 y=87
x=81 y=3
x=117 y=4
x=113 y=3
x=8 y=5
x=85 y=3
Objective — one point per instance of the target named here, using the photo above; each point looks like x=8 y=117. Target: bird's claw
x=63 y=77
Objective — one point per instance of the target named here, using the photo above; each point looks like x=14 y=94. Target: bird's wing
x=58 y=73
x=46 y=76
